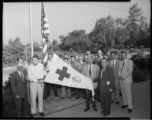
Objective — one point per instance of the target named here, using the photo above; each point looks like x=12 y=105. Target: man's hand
x=40 y=80
x=17 y=96
x=110 y=90
x=121 y=78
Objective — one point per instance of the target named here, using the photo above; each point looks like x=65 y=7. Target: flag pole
x=30 y=17
x=25 y=37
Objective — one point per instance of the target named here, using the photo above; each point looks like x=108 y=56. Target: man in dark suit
x=114 y=64
x=19 y=87
x=106 y=85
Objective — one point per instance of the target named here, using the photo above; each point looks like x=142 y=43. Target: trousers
x=36 y=90
x=89 y=99
x=105 y=102
x=126 y=94
x=21 y=107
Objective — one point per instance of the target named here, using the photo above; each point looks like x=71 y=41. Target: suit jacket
x=107 y=77
x=115 y=68
x=126 y=72
x=94 y=73
x=18 y=86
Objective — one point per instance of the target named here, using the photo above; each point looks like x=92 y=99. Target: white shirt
x=19 y=73
x=36 y=72
x=49 y=65
x=112 y=62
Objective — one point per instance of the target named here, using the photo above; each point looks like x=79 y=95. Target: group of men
x=109 y=75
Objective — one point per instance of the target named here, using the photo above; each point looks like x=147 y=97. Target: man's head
x=65 y=59
x=85 y=56
x=124 y=55
x=73 y=59
x=88 y=52
x=35 y=60
x=20 y=60
x=66 y=55
x=99 y=52
x=20 y=64
x=104 y=62
x=50 y=55
x=89 y=59
x=80 y=59
x=113 y=55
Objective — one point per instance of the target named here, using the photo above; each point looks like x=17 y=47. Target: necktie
x=122 y=65
x=22 y=76
x=113 y=63
x=90 y=71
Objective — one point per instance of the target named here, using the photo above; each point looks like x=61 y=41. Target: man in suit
x=106 y=86
x=36 y=74
x=91 y=71
x=114 y=64
x=19 y=87
x=125 y=74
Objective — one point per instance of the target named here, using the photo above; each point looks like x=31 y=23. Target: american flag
x=45 y=33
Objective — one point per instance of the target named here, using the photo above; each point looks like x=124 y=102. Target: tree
x=36 y=46
x=135 y=14
x=12 y=51
x=54 y=43
x=77 y=40
x=102 y=36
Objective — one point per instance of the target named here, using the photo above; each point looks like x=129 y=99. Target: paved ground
x=74 y=107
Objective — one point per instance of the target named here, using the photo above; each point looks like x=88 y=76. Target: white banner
x=63 y=74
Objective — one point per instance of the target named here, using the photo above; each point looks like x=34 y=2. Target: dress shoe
x=124 y=106
x=42 y=114
x=117 y=102
x=95 y=109
x=32 y=115
x=77 y=97
x=86 y=109
x=129 y=110
x=106 y=115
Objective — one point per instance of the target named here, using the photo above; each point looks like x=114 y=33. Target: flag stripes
x=45 y=33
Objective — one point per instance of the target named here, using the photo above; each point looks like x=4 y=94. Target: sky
x=63 y=17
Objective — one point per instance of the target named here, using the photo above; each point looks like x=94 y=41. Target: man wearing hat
x=19 y=87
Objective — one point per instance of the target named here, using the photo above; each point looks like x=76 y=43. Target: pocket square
x=108 y=82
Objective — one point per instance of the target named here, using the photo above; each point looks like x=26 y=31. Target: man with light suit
x=125 y=74
x=91 y=71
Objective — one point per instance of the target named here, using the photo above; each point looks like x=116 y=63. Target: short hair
x=65 y=58
x=85 y=54
x=115 y=52
x=50 y=53
x=35 y=56
x=99 y=50
x=19 y=59
x=123 y=52
x=73 y=56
